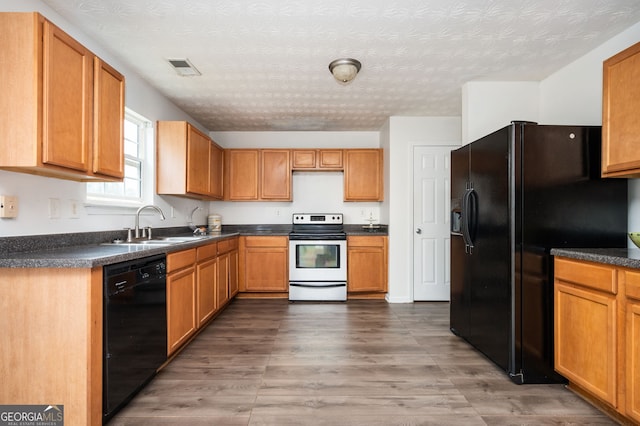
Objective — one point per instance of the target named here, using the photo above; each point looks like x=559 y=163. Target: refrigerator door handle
x=472 y=215
x=465 y=220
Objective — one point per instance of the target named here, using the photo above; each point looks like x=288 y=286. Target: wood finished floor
x=269 y=362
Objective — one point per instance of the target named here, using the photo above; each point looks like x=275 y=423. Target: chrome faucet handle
x=148 y=229
x=129 y=238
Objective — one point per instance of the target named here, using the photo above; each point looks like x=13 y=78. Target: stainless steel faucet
x=150 y=206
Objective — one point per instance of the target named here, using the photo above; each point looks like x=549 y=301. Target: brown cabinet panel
x=317 y=159
x=216 y=171
x=207 y=273
x=265 y=264
x=197 y=162
x=367 y=264
x=108 y=121
x=633 y=360
x=67 y=100
x=275 y=174
x=302 y=159
x=222 y=288
x=71 y=104
x=188 y=162
x=181 y=307
x=620 y=119
x=363 y=175
x=233 y=273
x=241 y=174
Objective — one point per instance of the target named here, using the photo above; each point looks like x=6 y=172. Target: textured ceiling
x=264 y=63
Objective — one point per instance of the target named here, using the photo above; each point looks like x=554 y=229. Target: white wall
x=320 y=192
x=405 y=133
x=34 y=191
x=490 y=105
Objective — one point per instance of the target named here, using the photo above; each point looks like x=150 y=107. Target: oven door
x=318 y=260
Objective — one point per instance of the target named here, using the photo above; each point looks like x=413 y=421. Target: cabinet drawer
x=632 y=278
x=361 y=241
x=591 y=275
x=208 y=251
x=227 y=245
x=276 y=241
x=180 y=259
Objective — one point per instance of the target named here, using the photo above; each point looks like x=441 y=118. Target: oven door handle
x=318 y=285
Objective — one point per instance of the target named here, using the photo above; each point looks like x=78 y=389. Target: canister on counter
x=214 y=223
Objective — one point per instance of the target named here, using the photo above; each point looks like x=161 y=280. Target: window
x=131 y=189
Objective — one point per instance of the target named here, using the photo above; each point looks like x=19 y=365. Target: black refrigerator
x=516 y=194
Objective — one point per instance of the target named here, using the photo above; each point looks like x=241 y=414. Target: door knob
x=418 y=231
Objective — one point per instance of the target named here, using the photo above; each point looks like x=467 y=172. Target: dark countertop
x=91 y=255
x=626 y=257
x=85 y=250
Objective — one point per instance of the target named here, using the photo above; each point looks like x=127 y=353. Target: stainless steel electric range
x=318 y=257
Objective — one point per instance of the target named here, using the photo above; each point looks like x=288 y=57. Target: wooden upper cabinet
x=197 y=161
x=69 y=113
x=363 y=180
x=216 y=171
x=108 y=119
x=275 y=174
x=317 y=159
x=257 y=174
x=188 y=162
x=620 y=118
x=241 y=174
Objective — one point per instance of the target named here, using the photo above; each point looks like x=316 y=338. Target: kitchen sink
x=157 y=242
x=180 y=239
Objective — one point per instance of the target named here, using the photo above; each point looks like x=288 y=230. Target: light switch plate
x=8 y=206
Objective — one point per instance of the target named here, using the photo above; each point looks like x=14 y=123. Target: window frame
x=145 y=157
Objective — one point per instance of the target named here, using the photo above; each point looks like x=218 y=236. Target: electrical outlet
x=54 y=208
x=8 y=206
x=73 y=209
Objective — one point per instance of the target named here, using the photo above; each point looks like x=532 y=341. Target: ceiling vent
x=184 y=68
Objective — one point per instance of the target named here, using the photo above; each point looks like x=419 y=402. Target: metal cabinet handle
x=418 y=231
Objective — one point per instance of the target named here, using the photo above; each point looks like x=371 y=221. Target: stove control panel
x=317 y=218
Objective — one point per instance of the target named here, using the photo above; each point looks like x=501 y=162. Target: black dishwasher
x=134 y=330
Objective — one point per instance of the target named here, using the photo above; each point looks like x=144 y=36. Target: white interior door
x=431 y=199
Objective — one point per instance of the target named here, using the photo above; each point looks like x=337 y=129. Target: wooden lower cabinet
x=597 y=334
x=51 y=340
x=367 y=264
x=207 y=278
x=265 y=264
x=181 y=298
x=632 y=337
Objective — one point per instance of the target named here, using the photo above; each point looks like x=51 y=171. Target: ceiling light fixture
x=344 y=70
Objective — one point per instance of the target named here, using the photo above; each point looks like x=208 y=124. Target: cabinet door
x=198 y=146
x=275 y=174
x=633 y=359
x=233 y=273
x=303 y=159
x=216 y=171
x=585 y=339
x=363 y=175
x=265 y=264
x=242 y=174
x=67 y=100
x=620 y=123
x=366 y=264
x=222 y=288
x=108 y=121
x=330 y=159
x=207 y=275
x=181 y=307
